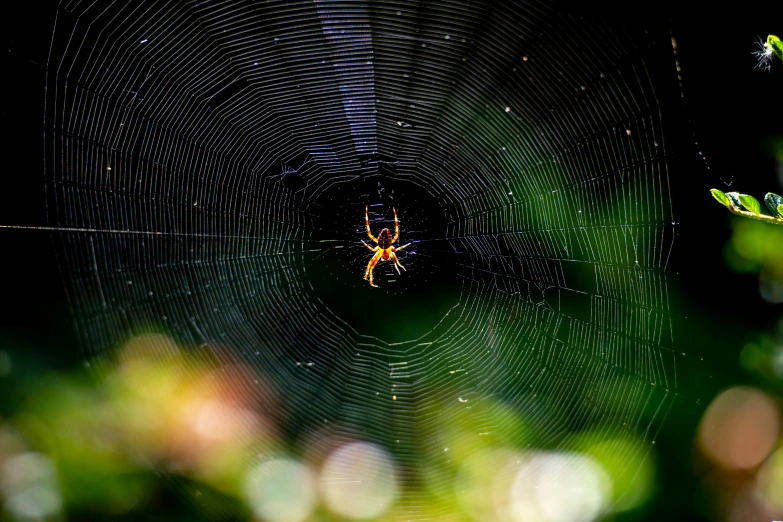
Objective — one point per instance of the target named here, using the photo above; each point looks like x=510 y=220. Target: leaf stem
x=758 y=217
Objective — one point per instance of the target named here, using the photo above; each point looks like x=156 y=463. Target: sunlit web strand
x=157 y=233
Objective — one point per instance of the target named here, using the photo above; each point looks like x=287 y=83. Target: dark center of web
x=406 y=305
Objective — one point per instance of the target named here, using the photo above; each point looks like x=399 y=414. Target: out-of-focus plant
x=157 y=409
x=186 y=416
x=629 y=463
x=735 y=202
x=739 y=454
x=757 y=248
x=84 y=448
x=762 y=356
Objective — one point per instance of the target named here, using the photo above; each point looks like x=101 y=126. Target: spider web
x=208 y=166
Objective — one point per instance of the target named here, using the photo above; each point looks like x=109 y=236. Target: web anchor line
x=156 y=233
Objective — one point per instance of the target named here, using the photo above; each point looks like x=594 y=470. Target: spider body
x=385 y=239
x=383 y=249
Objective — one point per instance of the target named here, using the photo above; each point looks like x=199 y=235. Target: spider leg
x=367 y=222
x=396 y=226
x=397 y=262
x=371 y=265
x=403 y=246
x=373 y=249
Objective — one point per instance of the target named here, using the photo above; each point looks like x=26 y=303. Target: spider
x=384 y=250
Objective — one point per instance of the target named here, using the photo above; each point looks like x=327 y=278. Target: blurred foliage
x=758 y=248
x=762 y=357
x=159 y=421
x=632 y=465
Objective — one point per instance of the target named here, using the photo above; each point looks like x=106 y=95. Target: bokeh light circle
x=739 y=428
x=281 y=490
x=358 y=480
x=28 y=483
x=559 y=487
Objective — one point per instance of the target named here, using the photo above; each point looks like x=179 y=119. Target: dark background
x=734 y=116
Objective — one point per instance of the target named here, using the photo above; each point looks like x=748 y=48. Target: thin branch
x=758 y=217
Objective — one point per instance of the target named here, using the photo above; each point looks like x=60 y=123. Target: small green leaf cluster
x=775 y=45
x=736 y=202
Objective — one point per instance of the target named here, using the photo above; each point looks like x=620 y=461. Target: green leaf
x=780 y=211
x=773 y=201
x=776 y=45
x=750 y=203
x=734 y=199
x=721 y=197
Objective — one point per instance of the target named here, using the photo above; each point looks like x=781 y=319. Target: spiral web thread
x=171 y=130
